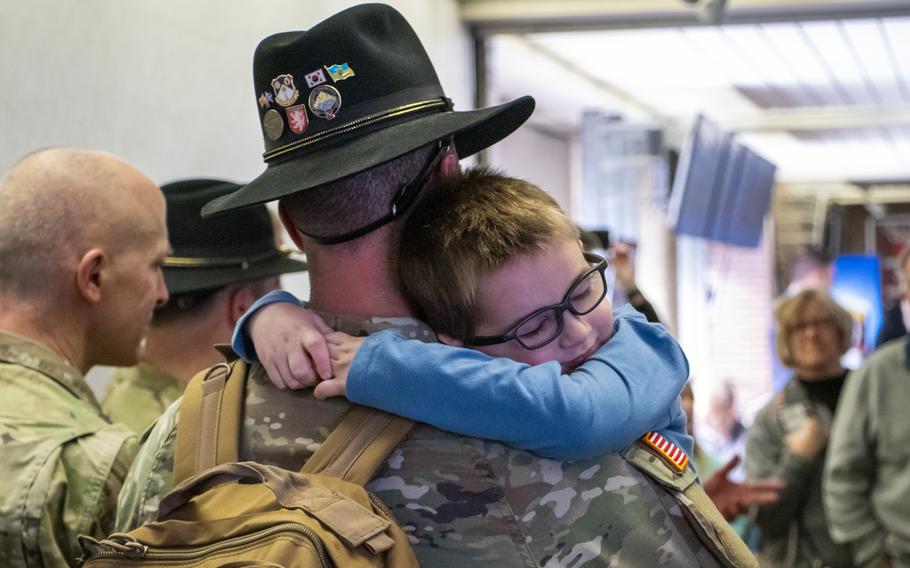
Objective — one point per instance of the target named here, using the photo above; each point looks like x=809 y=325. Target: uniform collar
x=149 y=377
x=18 y=350
x=361 y=326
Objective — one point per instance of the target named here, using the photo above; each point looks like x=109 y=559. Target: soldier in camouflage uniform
x=216 y=269
x=82 y=239
x=463 y=501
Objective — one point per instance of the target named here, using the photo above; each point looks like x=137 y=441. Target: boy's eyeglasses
x=544 y=325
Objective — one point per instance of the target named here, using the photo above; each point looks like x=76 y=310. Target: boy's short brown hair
x=465 y=226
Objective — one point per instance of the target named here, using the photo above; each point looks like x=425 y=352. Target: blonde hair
x=467 y=225
x=787 y=314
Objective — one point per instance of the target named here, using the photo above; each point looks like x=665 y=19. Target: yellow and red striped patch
x=672 y=454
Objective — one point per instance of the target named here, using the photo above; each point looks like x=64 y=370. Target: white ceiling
x=827 y=100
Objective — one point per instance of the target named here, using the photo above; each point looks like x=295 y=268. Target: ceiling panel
x=896 y=36
x=839 y=57
x=879 y=67
x=824 y=99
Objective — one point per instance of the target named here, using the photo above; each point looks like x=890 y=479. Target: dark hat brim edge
x=474 y=130
x=192 y=279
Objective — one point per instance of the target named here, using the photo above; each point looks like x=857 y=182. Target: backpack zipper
x=139 y=550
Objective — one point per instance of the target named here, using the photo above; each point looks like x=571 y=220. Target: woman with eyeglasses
x=788 y=439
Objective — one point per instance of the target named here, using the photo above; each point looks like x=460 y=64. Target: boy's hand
x=342 y=349
x=290 y=344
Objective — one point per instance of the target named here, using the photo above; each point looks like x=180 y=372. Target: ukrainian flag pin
x=339 y=72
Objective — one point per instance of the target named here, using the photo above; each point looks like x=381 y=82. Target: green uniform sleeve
x=83 y=484
x=151 y=476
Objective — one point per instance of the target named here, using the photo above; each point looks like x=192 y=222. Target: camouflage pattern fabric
x=138 y=395
x=464 y=501
x=62 y=463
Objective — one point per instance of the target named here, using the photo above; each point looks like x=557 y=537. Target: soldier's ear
x=449 y=164
x=443 y=338
x=90 y=274
x=289 y=225
x=239 y=300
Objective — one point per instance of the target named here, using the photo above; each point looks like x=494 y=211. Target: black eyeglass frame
x=599 y=265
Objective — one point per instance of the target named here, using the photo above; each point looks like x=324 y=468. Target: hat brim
x=180 y=280
x=473 y=130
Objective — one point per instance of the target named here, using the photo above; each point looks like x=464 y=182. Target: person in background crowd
x=812 y=267
x=82 y=242
x=378 y=136
x=789 y=436
x=620 y=255
x=215 y=271
x=866 y=478
x=896 y=318
x=624 y=265
x=704 y=464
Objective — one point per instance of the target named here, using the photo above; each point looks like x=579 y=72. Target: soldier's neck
x=182 y=351
x=61 y=334
x=348 y=285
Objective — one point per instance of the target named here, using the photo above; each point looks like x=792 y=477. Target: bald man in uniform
x=82 y=241
x=216 y=270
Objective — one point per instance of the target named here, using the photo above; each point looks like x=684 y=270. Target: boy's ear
x=89 y=275
x=443 y=338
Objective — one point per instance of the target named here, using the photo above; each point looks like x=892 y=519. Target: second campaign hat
x=353 y=92
x=210 y=253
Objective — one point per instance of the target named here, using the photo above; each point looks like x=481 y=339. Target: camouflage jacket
x=465 y=501
x=138 y=395
x=62 y=463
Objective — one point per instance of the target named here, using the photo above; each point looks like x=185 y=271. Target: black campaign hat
x=210 y=253
x=353 y=92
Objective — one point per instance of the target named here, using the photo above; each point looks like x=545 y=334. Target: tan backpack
x=227 y=514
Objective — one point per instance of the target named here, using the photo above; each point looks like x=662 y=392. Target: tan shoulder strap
x=358 y=445
x=209 y=429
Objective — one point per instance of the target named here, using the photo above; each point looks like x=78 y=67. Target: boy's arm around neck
x=626 y=389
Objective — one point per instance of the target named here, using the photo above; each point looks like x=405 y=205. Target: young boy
x=492 y=263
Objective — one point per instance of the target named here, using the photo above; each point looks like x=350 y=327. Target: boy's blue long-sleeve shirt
x=629 y=386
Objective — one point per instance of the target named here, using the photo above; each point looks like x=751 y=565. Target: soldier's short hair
x=468 y=225
x=787 y=314
x=353 y=202
x=187 y=306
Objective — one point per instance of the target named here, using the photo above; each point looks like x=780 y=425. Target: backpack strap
x=210 y=417
x=208 y=433
x=358 y=445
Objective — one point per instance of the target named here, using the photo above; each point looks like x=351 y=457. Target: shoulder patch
x=672 y=454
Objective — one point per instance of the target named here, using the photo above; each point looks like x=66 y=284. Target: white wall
x=168 y=85
x=539 y=156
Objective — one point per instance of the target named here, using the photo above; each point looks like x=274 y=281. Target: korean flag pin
x=317 y=77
